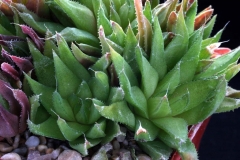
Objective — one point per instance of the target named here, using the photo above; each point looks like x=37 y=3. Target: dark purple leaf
x=10 y=70
x=8 y=123
x=23 y=63
x=22 y=99
x=6 y=92
x=31 y=33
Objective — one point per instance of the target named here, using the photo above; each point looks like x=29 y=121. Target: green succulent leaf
x=169 y=82
x=71 y=130
x=39 y=26
x=97 y=130
x=208 y=107
x=209 y=27
x=115 y=95
x=228 y=104
x=82 y=144
x=70 y=61
x=186 y=96
x=71 y=34
x=64 y=76
x=190 y=17
x=145 y=130
x=157 y=59
x=118 y=112
x=48 y=128
x=148 y=74
x=112 y=131
x=189 y=62
x=74 y=9
x=156 y=149
x=43 y=66
x=103 y=21
x=178 y=46
x=62 y=108
x=44 y=92
x=220 y=64
x=188 y=150
x=175 y=127
x=158 y=107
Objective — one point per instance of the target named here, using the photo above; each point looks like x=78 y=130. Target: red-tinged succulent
x=14 y=110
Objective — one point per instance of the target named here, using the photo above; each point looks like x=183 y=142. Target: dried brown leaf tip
x=203 y=17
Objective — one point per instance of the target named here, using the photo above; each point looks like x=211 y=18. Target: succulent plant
x=100 y=65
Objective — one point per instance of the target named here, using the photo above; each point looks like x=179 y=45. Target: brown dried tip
x=202 y=18
x=171 y=21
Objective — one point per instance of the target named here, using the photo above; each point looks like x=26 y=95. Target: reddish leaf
x=31 y=33
x=22 y=99
x=8 y=123
x=7 y=93
x=10 y=70
x=203 y=17
x=23 y=63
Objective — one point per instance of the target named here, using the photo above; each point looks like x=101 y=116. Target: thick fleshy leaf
x=22 y=99
x=8 y=123
x=71 y=130
x=228 y=104
x=33 y=35
x=148 y=74
x=112 y=131
x=157 y=50
x=82 y=144
x=84 y=91
x=178 y=46
x=115 y=95
x=145 y=130
x=45 y=73
x=220 y=64
x=83 y=58
x=188 y=151
x=186 y=96
x=49 y=128
x=203 y=17
x=6 y=93
x=144 y=27
x=62 y=108
x=74 y=9
x=118 y=33
x=129 y=50
x=189 y=62
x=67 y=82
x=100 y=81
x=11 y=71
x=70 y=61
x=169 y=82
x=104 y=22
x=44 y=92
x=127 y=79
x=87 y=114
x=208 y=107
x=190 y=16
x=23 y=63
x=39 y=26
x=80 y=36
x=158 y=107
x=156 y=149
x=175 y=127
x=97 y=130
x=118 y=112
x=209 y=27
